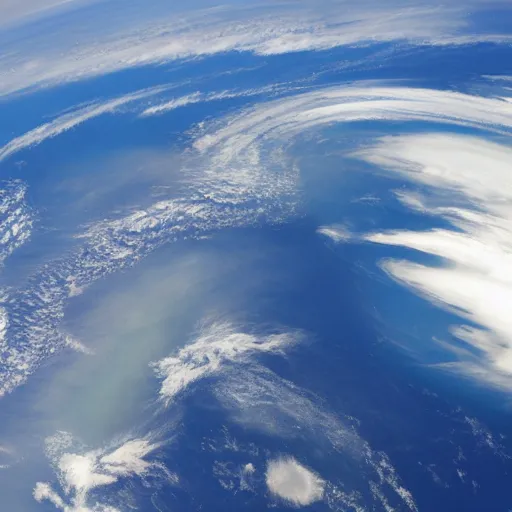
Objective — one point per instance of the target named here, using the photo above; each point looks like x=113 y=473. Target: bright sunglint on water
x=255 y=255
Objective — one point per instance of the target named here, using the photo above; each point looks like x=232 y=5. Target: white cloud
x=162 y=34
x=216 y=345
x=473 y=170
x=293 y=482
x=173 y=104
x=198 y=97
x=212 y=199
x=240 y=174
x=499 y=78
x=16 y=218
x=336 y=232
x=283 y=119
x=14 y=12
x=70 y=120
x=469 y=184
x=6 y=457
x=78 y=346
x=80 y=473
x=16 y=226
x=44 y=491
x=249 y=468
x=259 y=400
x=247 y=153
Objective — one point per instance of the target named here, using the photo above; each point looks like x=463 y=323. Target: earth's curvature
x=255 y=255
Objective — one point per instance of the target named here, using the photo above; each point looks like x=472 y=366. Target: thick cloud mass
x=292 y=482
x=475 y=279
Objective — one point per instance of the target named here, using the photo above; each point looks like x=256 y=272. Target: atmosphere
x=255 y=255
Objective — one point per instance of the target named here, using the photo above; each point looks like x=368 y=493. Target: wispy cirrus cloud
x=284 y=119
x=81 y=115
x=199 y=97
x=70 y=120
x=141 y=38
x=14 y=12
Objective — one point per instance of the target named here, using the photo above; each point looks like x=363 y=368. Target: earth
x=255 y=255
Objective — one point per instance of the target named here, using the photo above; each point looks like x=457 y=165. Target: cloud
x=173 y=104
x=212 y=199
x=198 y=97
x=80 y=473
x=16 y=225
x=261 y=401
x=17 y=218
x=469 y=184
x=446 y=162
x=6 y=457
x=337 y=233
x=238 y=173
x=70 y=120
x=14 y=12
x=248 y=151
x=140 y=37
x=258 y=399
x=284 y=119
x=293 y=482
x=216 y=345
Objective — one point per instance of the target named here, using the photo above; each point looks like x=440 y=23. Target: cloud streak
x=16 y=13
x=139 y=39
x=475 y=280
x=70 y=120
x=198 y=97
x=288 y=117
